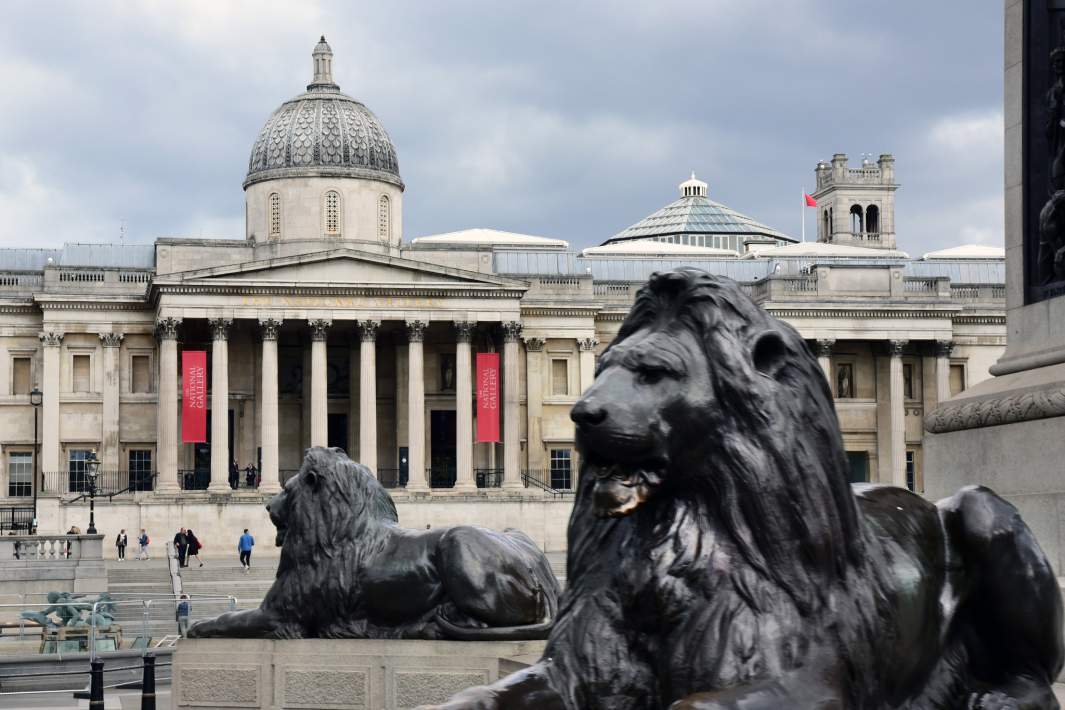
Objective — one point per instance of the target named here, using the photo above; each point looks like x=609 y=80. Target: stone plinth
x=342 y=674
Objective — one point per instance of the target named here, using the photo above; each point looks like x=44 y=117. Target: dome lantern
x=693 y=187
x=323 y=68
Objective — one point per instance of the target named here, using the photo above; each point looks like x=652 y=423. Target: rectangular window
x=560 y=377
x=957 y=379
x=911 y=472
x=140 y=379
x=845 y=381
x=21 y=382
x=560 y=469
x=140 y=469
x=858 y=466
x=81 y=378
x=77 y=471
x=907 y=380
x=20 y=474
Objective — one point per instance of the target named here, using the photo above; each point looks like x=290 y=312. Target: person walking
x=194 y=547
x=181 y=614
x=143 y=540
x=244 y=546
x=120 y=543
x=181 y=546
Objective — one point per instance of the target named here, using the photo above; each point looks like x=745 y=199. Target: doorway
x=443 y=455
x=337 y=435
x=200 y=477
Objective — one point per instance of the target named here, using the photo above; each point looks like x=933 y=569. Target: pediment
x=344 y=267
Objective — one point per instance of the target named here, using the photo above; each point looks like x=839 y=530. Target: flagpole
x=802 y=206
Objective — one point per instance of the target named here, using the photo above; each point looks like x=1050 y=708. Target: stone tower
x=856 y=206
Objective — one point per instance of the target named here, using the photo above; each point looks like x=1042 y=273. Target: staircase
x=224 y=578
x=141 y=580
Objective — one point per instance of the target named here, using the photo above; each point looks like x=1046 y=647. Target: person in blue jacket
x=244 y=548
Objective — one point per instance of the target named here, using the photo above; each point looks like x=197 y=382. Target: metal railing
x=16 y=517
x=390 y=478
x=488 y=477
x=544 y=480
x=108 y=483
x=191 y=479
x=441 y=476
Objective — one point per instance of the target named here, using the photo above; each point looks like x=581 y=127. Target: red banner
x=487 y=397
x=193 y=396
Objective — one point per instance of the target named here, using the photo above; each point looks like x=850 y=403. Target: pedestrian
x=142 y=540
x=120 y=543
x=234 y=475
x=249 y=476
x=244 y=546
x=194 y=547
x=181 y=614
x=181 y=546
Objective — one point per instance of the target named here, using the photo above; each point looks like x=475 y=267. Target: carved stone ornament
x=534 y=345
x=464 y=330
x=51 y=338
x=895 y=347
x=587 y=344
x=167 y=328
x=111 y=340
x=415 y=331
x=511 y=331
x=736 y=567
x=270 y=327
x=319 y=328
x=972 y=413
x=368 y=329
x=824 y=347
x=220 y=327
x=944 y=348
x=335 y=521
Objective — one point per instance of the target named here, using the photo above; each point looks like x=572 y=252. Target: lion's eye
x=650 y=375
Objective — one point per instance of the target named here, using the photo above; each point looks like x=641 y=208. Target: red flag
x=810 y=202
x=194 y=396
x=488 y=397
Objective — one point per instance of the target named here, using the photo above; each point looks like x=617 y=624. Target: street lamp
x=36 y=398
x=92 y=470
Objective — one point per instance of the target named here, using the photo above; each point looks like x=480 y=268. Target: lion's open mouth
x=620 y=489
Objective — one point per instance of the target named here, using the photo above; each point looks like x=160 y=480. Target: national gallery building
x=325 y=326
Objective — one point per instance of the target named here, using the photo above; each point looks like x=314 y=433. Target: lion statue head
x=706 y=401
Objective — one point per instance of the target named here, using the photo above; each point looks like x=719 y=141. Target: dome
x=323 y=133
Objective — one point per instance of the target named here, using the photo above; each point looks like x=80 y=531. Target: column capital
x=220 y=327
x=944 y=348
x=895 y=347
x=824 y=347
x=511 y=331
x=167 y=328
x=534 y=345
x=51 y=338
x=464 y=330
x=415 y=331
x=587 y=344
x=319 y=327
x=111 y=340
x=270 y=327
x=368 y=329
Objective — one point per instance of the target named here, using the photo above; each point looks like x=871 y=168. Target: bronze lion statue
x=720 y=560
x=348 y=570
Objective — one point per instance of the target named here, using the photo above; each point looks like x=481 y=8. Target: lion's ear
x=769 y=353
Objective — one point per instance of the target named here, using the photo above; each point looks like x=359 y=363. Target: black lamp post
x=36 y=398
x=92 y=470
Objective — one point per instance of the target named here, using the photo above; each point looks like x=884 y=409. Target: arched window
x=384 y=218
x=856 y=220
x=827 y=230
x=331 y=213
x=872 y=219
x=275 y=215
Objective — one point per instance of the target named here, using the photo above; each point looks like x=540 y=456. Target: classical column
x=898 y=414
x=511 y=404
x=319 y=382
x=587 y=349
x=109 y=439
x=464 y=480
x=824 y=359
x=52 y=342
x=220 y=456
x=368 y=394
x=271 y=481
x=416 y=407
x=534 y=364
x=943 y=350
x=166 y=442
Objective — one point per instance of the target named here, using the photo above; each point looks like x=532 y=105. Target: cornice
x=851 y=313
x=978 y=412
x=241 y=288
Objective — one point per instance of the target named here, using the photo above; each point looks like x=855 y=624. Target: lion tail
x=529 y=632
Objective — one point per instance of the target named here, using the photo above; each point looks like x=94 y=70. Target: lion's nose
x=588 y=413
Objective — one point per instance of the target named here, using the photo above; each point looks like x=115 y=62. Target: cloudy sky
x=568 y=119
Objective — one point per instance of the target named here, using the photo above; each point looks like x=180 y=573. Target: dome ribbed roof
x=323 y=132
